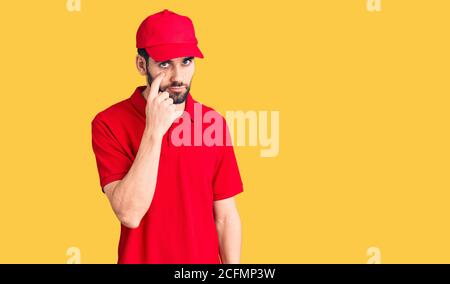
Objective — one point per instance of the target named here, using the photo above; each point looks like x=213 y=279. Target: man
x=175 y=201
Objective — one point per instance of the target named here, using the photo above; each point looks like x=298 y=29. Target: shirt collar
x=139 y=102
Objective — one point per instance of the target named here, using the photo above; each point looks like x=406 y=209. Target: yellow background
x=364 y=115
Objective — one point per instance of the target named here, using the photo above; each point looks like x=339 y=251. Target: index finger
x=154 y=88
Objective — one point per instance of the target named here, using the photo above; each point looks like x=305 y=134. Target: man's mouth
x=176 y=89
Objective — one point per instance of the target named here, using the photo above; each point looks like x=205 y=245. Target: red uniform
x=179 y=226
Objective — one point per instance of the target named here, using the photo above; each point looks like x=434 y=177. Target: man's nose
x=176 y=78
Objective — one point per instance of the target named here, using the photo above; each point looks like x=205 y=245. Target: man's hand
x=160 y=110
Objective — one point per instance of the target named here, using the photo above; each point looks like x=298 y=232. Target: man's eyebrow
x=170 y=60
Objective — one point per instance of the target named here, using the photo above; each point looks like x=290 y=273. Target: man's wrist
x=152 y=136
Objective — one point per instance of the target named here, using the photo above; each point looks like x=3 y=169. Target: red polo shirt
x=179 y=226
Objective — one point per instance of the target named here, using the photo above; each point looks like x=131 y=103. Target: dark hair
x=142 y=52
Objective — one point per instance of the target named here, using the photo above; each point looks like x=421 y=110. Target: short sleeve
x=227 y=179
x=112 y=162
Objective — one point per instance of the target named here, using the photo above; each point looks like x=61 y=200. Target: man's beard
x=177 y=97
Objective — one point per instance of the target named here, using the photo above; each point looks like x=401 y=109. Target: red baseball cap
x=167 y=35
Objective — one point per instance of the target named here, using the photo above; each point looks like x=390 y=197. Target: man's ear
x=141 y=65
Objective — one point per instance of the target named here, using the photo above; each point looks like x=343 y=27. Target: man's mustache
x=173 y=85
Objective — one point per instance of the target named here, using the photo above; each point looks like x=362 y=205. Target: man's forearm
x=134 y=193
x=230 y=238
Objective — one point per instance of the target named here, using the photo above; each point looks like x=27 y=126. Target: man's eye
x=163 y=65
x=187 y=61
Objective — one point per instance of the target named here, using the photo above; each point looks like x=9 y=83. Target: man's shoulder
x=114 y=112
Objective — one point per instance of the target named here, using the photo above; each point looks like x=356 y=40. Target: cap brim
x=166 y=52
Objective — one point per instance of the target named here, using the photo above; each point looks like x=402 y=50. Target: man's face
x=179 y=72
